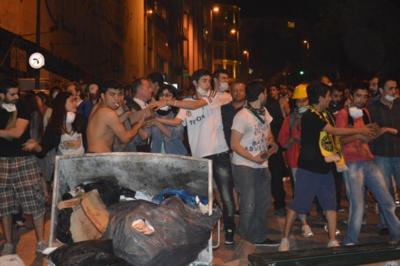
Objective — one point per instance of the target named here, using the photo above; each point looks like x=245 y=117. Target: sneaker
x=229 y=237
x=306 y=231
x=337 y=230
x=333 y=244
x=41 y=246
x=8 y=249
x=280 y=212
x=267 y=243
x=284 y=246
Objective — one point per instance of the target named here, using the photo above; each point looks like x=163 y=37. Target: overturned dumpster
x=145 y=172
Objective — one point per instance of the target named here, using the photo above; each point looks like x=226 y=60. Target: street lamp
x=306 y=44
x=214 y=9
x=246 y=55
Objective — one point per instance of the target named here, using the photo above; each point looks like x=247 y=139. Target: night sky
x=350 y=39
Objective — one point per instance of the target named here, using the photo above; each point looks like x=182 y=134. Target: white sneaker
x=326 y=230
x=284 y=246
x=333 y=244
x=306 y=231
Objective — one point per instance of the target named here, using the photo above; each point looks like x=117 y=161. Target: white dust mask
x=355 y=112
x=390 y=98
x=70 y=117
x=202 y=92
x=223 y=86
x=9 y=107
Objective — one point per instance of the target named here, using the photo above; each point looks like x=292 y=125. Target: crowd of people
x=323 y=135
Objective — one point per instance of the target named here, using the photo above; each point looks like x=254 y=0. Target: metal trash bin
x=146 y=172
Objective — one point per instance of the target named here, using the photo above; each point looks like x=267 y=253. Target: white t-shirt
x=204 y=125
x=254 y=138
x=71 y=144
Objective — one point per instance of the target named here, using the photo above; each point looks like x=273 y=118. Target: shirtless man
x=105 y=121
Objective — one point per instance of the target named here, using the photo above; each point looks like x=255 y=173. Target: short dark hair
x=200 y=73
x=253 y=90
x=218 y=72
x=136 y=84
x=104 y=86
x=359 y=86
x=156 y=77
x=168 y=87
x=6 y=84
x=383 y=81
x=315 y=90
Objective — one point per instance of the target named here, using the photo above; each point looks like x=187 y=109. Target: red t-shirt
x=289 y=138
x=356 y=150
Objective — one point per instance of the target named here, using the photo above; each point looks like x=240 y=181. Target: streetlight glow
x=149 y=11
x=233 y=31
x=305 y=41
x=245 y=52
x=215 y=9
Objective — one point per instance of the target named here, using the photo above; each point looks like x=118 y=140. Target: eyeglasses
x=167 y=95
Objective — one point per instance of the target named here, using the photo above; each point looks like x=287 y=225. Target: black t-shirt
x=12 y=148
x=311 y=158
x=274 y=108
x=228 y=112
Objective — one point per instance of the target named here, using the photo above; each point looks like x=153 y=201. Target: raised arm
x=170 y=122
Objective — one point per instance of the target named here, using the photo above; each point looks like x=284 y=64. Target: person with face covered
x=362 y=170
x=20 y=181
x=221 y=79
x=65 y=131
x=166 y=139
x=289 y=138
x=385 y=112
x=206 y=140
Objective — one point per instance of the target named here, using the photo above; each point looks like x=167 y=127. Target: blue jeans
x=390 y=167
x=254 y=187
x=367 y=173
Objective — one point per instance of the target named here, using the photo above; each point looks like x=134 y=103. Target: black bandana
x=259 y=113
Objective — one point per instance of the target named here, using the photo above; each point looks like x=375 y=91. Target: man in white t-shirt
x=251 y=136
x=206 y=140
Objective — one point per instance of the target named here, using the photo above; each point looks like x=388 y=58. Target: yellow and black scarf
x=330 y=146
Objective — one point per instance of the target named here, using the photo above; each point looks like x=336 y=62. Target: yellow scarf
x=329 y=145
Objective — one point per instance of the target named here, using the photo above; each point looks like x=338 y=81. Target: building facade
x=108 y=39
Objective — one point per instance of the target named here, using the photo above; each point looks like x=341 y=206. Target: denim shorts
x=311 y=184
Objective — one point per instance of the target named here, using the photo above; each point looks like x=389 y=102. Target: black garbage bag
x=108 y=189
x=180 y=232
x=87 y=253
x=63 y=224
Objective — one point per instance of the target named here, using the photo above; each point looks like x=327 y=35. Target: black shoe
x=268 y=243
x=229 y=237
x=280 y=212
x=383 y=231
